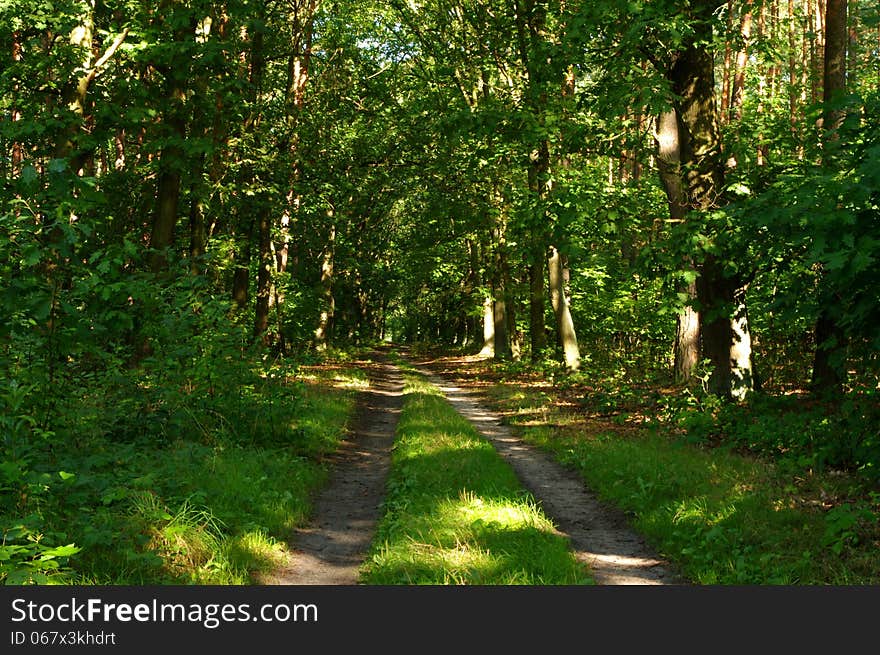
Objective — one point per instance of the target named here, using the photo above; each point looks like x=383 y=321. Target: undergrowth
x=162 y=477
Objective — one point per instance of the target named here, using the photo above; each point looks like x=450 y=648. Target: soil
x=332 y=547
x=330 y=550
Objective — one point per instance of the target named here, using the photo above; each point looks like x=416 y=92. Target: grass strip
x=455 y=512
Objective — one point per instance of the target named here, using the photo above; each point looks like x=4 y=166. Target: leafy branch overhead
x=680 y=194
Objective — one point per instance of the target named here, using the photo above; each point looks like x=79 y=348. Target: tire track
x=600 y=535
x=331 y=548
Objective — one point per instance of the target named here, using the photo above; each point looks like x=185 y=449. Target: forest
x=666 y=213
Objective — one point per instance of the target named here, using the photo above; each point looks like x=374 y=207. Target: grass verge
x=455 y=512
x=208 y=499
x=721 y=516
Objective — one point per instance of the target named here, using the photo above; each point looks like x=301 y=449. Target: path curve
x=600 y=535
x=331 y=548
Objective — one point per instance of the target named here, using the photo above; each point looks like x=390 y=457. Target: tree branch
x=96 y=69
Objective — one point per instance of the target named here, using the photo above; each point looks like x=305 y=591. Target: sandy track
x=330 y=550
x=599 y=535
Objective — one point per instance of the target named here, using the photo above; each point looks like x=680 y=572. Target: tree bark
x=15 y=112
x=687 y=334
x=500 y=291
x=834 y=71
x=829 y=372
x=241 y=268
x=264 y=272
x=171 y=159
x=724 y=328
x=537 y=329
x=488 y=349
x=325 y=292
x=559 y=299
x=726 y=68
x=742 y=55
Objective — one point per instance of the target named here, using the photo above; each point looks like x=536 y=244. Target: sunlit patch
x=256 y=552
x=699 y=510
x=456 y=513
x=350 y=382
x=497 y=515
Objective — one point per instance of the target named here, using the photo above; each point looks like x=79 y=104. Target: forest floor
x=332 y=547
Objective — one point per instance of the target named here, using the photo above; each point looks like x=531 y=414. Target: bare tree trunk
x=475 y=282
x=15 y=113
x=171 y=159
x=298 y=69
x=687 y=338
x=829 y=372
x=687 y=334
x=264 y=272
x=513 y=334
x=761 y=150
x=834 y=76
x=559 y=300
x=167 y=200
x=325 y=320
x=488 y=328
x=537 y=330
x=742 y=55
x=792 y=73
x=241 y=268
x=499 y=306
x=726 y=337
x=725 y=80
x=198 y=229
x=692 y=78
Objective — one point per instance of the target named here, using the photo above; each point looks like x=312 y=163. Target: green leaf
x=60 y=551
x=28 y=175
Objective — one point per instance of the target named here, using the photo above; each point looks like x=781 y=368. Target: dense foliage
x=193 y=192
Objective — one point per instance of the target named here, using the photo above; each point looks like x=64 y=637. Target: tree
x=828 y=365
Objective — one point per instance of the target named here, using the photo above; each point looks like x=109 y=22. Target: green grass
x=455 y=512
x=208 y=500
x=722 y=517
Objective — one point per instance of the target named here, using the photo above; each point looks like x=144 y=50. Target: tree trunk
x=742 y=56
x=687 y=338
x=725 y=333
x=198 y=231
x=687 y=333
x=328 y=310
x=171 y=159
x=537 y=329
x=241 y=268
x=501 y=338
x=15 y=113
x=264 y=272
x=793 y=77
x=475 y=282
x=724 y=329
x=726 y=68
x=559 y=300
x=834 y=72
x=167 y=200
x=488 y=349
x=298 y=69
x=829 y=372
